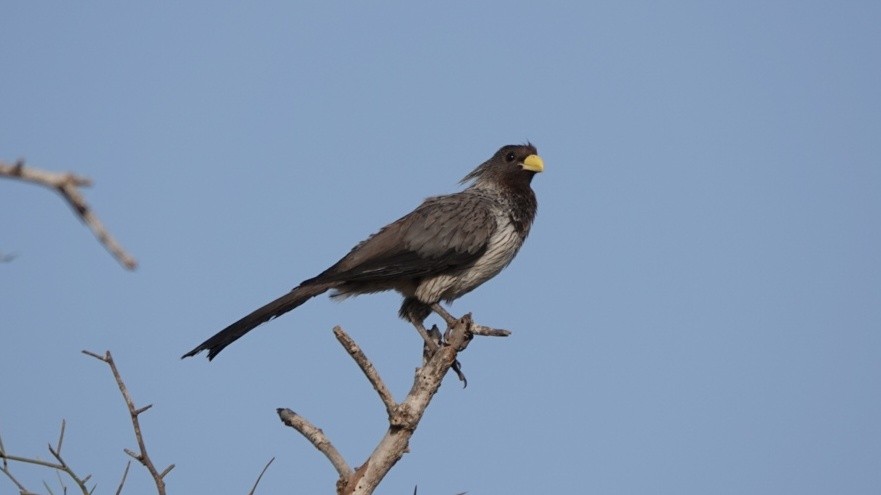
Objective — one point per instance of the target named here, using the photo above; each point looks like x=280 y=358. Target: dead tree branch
x=68 y=185
x=403 y=417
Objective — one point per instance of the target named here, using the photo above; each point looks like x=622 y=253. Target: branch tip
x=351 y=347
x=139 y=411
x=317 y=438
x=166 y=471
x=260 y=477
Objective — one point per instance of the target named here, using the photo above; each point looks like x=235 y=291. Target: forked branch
x=403 y=417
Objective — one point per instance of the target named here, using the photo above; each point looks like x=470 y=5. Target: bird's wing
x=444 y=233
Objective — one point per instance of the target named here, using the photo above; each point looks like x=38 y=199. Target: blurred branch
x=60 y=466
x=124 y=476
x=68 y=185
x=403 y=417
x=134 y=412
x=260 y=477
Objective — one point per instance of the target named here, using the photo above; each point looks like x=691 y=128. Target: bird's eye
x=510 y=157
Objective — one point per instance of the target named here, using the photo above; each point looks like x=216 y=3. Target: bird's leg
x=416 y=312
x=428 y=350
x=450 y=319
x=431 y=344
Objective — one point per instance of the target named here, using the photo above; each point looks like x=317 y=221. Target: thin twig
x=28 y=460
x=124 y=476
x=68 y=185
x=254 y=488
x=56 y=453
x=3 y=452
x=317 y=438
x=61 y=435
x=142 y=456
x=367 y=367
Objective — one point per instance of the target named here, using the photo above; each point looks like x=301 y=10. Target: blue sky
x=697 y=310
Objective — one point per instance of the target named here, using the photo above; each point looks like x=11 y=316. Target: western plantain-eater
x=440 y=251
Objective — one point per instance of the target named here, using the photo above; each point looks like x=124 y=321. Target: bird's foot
x=434 y=340
x=432 y=345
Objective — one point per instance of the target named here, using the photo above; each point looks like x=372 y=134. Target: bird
x=445 y=248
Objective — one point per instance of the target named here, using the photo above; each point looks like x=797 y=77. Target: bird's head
x=514 y=164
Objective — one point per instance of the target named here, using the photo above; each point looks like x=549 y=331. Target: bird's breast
x=501 y=249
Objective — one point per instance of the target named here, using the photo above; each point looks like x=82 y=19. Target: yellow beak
x=533 y=163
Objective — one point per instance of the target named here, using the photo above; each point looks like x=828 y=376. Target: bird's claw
x=457 y=367
x=433 y=343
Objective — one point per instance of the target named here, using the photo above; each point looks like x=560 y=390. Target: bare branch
x=367 y=367
x=68 y=185
x=404 y=417
x=489 y=332
x=142 y=456
x=403 y=423
x=254 y=488
x=317 y=438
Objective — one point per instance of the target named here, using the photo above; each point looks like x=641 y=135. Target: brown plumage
x=440 y=251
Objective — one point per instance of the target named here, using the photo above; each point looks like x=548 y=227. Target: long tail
x=269 y=311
